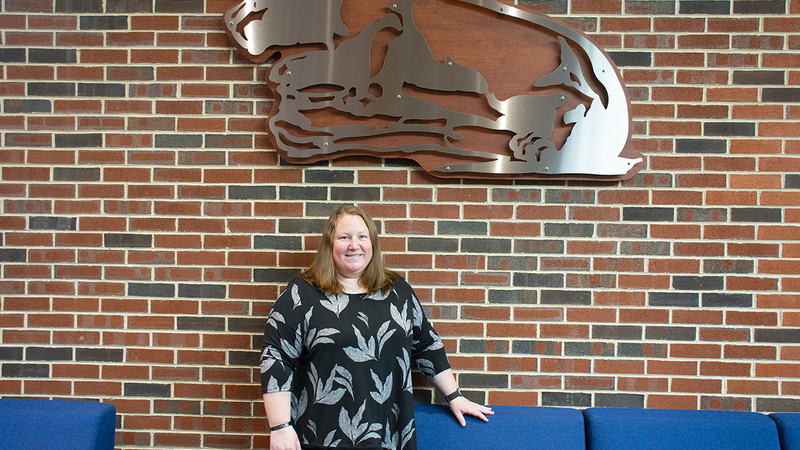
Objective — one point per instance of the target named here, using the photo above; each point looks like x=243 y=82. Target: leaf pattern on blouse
x=405 y=367
x=272 y=385
x=354 y=429
x=275 y=318
x=270 y=356
x=365 y=351
x=384 y=333
x=296 y=296
x=408 y=433
x=293 y=349
x=437 y=343
x=312 y=426
x=299 y=405
x=418 y=314
x=426 y=367
x=401 y=318
x=336 y=303
x=324 y=392
x=380 y=296
x=384 y=388
x=321 y=337
x=314 y=337
x=329 y=442
x=390 y=440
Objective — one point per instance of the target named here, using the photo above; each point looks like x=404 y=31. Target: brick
x=151 y=289
x=727 y=334
x=618 y=366
x=643 y=316
x=48 y=388
x=16 y=123
x=77 y=106
x=728 y=266
x=52 y=56
x=53 y=191
x=178 y=274
x=31 y=72
x=79 y=39
x=648 y=214
x=588 y=349
x=753 y=387
x=631 y=59
x=732 y=94
x=26 y=370
x=767 y=370
x=697 y=283
x=776 y=335
x=71 y=370
x=704 y=385
x=751 y=283
x=150 y=191
x=558 y=365
x=699 y=249
x=29 y=239
x=177 y=208
x=670 y=333
x=723 y=300
x=729 y=232
x=750 y=352
x=25 y=174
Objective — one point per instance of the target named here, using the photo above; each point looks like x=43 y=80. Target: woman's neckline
x=361 y=292
x=351 y=288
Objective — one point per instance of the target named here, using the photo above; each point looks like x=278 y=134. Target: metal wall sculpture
x=467 y=88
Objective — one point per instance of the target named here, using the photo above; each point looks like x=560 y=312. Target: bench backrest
x=662 y=429
x=511 y=427
x=788 y=429
x=46 y=424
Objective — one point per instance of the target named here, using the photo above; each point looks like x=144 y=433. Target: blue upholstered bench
x=28 y=424
x=788 y=429
x=511 y=427
x=661 y=429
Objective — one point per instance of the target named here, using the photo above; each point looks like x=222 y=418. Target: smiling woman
x=352 y=252
x=327 y=270
x=345 y=321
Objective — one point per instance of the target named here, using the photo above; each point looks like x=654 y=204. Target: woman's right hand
x=284 y=439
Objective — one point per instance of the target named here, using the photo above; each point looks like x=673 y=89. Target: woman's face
x=352 y=248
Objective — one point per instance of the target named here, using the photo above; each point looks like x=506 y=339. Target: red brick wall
x=147 y=225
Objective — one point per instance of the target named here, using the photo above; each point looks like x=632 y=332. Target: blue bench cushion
x=47 y=424
x=511 y=427
x=663 y=429
x=788 y=429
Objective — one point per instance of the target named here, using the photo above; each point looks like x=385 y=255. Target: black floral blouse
x=347 y=359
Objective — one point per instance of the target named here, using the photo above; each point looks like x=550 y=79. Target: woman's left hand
x=461 y=406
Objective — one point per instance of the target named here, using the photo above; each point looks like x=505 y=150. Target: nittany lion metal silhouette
x=487 y=91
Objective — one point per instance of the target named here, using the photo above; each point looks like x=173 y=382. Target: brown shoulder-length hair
x=322 y=273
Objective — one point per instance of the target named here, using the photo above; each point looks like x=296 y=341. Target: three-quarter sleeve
x=428 y=351
x=283 y=342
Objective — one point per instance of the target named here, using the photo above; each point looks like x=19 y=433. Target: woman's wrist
x=453 y=396
x=280 y=427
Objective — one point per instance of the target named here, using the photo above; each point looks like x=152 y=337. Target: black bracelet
x=453 y=396
x=280 y=427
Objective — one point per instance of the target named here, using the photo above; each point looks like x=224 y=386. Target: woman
x=338 y=348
